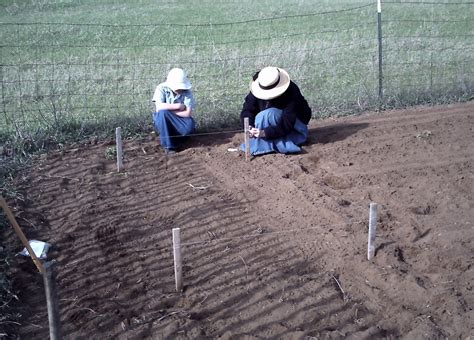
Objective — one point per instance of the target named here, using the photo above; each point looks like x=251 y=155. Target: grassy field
x=73 y=68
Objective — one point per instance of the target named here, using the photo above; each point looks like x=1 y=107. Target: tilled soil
x=275 y=247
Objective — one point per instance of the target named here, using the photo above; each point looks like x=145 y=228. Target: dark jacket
x=291 y=102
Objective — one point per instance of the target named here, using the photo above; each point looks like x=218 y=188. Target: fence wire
x=66 y=77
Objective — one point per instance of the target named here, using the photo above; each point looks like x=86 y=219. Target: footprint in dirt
x=336 y=182
x=98 y=168
x=104 y=233
x=398 y=253
x=423 y=210
x=79 y=317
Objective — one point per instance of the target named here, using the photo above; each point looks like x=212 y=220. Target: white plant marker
x=178 y=265
x=119 y=149
x=372 y=225
x=246 y=139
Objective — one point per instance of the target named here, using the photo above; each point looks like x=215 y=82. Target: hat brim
x=274 y=92
x=179 y=86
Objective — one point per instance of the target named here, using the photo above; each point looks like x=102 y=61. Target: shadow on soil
x=334 y=133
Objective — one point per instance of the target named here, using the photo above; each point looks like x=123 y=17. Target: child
x=174 y=106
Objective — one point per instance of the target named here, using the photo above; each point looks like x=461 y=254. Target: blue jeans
x=285 y=144
x=172 y=127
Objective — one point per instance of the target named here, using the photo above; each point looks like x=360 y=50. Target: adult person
x=174 y=106
x=277 y=111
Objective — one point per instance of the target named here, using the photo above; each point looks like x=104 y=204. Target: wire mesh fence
x=74 y=76
x=428 y=50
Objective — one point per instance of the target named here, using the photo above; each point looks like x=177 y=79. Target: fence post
x=3 y=98
x=51 y=301
x=379 y=36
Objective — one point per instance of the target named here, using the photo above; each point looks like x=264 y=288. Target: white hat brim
x=274 y=92
x=179 y=86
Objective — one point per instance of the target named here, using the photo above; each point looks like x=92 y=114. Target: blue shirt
x=163 y=94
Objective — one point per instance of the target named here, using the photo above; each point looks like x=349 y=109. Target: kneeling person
x=174 y=106
x=277 y=111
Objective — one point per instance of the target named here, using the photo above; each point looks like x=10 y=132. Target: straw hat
x=270 y=83
x=177 y=80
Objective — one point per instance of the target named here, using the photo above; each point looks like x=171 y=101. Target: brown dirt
x=273 y=248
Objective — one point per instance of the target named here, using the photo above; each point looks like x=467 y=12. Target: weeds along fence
x=64 y=80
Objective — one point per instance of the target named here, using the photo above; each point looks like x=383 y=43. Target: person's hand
x=257 y=133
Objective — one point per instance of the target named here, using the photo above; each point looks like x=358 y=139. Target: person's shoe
x=170 y=151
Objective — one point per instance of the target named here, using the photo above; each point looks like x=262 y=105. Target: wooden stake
x=20 y=234
x=178 y=265
x=372 y=225
x=51 y=301
x=119 y=149
x=246 y=139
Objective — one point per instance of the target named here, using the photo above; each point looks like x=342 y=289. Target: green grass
x=99 y=68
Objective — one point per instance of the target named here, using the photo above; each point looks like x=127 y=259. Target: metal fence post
x=52 y=301
x=379 y=36
x=3 y=98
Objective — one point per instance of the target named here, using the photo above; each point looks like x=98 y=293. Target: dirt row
x=272 y=248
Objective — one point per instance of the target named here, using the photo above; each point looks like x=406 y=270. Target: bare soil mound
x=272 y=248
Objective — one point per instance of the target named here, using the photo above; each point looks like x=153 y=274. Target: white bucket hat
x=177 y=80
x=270 y=83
